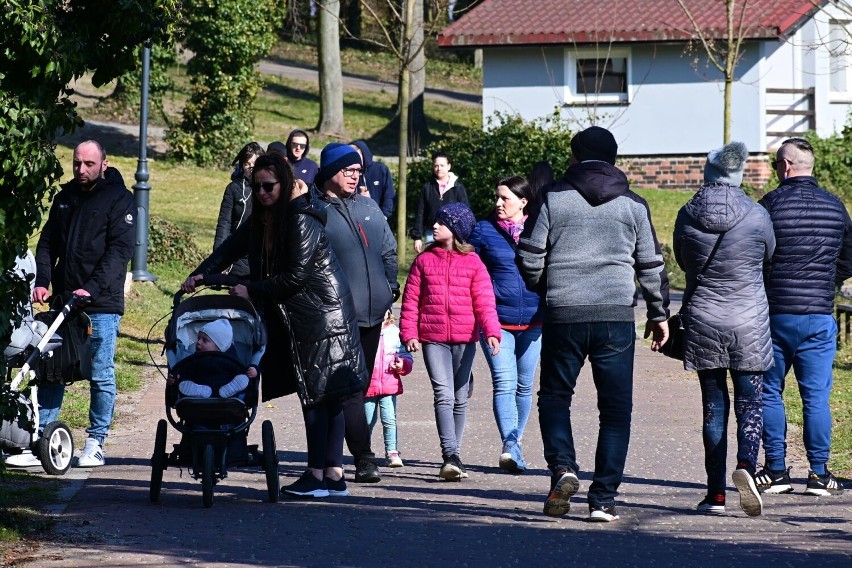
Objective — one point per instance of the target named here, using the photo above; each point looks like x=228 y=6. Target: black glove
x=395 y=292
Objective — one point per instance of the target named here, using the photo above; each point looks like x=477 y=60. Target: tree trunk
x=418 y=129
x=726 y=132
x=330 y=74
x=404 y=98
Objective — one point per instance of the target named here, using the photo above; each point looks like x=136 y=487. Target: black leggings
x=357 y=430
x=324 y=428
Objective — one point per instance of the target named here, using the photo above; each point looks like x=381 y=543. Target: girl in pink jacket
x=448 y=301
x=392 y=363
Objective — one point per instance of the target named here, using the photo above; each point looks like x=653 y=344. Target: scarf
x=513 y=229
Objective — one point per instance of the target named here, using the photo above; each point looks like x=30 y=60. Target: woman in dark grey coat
x=727 y=318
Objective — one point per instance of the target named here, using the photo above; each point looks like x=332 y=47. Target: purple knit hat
x=458 y=218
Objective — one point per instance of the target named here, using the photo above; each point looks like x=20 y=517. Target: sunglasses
x=351 y=172
x=775 y=163
x=266 y=186
x=298 y=146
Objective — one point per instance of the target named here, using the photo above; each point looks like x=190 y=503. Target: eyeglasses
x=266 y=186
x=351 y=172
x=297 y=146
x=779 y=161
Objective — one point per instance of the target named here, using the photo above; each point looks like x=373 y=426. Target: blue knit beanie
x=458 y=218
x=335 y=157
x=726 y=164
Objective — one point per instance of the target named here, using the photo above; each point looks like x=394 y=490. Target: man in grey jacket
x=589 y=242
x=366 y=248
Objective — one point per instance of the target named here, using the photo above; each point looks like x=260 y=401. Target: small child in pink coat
x=392 y=363
x=448 y=301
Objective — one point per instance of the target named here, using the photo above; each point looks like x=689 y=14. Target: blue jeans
x=386 y=407
x=748 y=409
x=448 y=365
x=807 y=343
x=101 y=387
x=513 y=373
x=609 y=346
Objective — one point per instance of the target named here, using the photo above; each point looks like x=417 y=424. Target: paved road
x=413 y=519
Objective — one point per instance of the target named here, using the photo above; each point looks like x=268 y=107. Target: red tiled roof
x=522 y=22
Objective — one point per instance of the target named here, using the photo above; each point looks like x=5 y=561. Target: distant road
x=350 y=81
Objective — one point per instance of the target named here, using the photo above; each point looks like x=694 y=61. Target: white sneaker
x=24 y=459
x=188 y=388
x=93 y=454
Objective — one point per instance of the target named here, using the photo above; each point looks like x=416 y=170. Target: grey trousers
x=449 y=365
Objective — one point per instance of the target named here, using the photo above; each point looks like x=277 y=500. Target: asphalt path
x=412 y=518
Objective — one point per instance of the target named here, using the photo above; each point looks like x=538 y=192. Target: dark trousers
x=609 y=346
x=324 y=432
x=357 y=429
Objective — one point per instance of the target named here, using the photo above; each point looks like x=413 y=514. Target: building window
x=840 y=60
x=597 y=76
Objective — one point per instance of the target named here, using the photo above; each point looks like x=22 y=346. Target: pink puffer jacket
x=448 y=298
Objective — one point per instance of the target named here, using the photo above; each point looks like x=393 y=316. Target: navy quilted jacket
x=814 y=247
x=516 y=304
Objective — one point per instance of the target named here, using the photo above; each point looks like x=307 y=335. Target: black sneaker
x=602 y=513
x=366 y=471
x=336 y=488
x=306 y=486
x=564 y=484
x=452 y=469
x=773 y=481
x=713 y=504
x=823 y=485
x=750 y=501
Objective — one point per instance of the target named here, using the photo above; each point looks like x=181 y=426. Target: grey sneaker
x=565 y=485
x=452 y=469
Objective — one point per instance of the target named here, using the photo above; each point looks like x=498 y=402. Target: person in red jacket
x=448 y=300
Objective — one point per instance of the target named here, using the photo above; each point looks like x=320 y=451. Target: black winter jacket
x=313 y=346
x=366 y=248
x=813 y=253
x=234 y=211
x=431 y=200
x=87 y=242
x=305 y=169
x=377 y=181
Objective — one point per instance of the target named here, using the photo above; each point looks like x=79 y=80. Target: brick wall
x=686 y=172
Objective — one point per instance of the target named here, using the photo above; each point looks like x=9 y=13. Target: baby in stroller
x=215 y=337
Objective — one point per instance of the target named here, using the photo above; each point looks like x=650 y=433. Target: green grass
x=20 y=495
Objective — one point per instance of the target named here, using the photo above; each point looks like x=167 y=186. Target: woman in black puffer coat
x=313 y=346
x=727 y=318
x=236 y=203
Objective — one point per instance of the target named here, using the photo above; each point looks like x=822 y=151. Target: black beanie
x=594 y=143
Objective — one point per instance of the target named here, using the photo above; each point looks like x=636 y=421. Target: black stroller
x=214 y=430
x=42 y=356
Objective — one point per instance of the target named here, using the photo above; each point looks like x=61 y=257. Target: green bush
x=677 y=278
x=833 y=161
x=507 y=146
x=168 y=242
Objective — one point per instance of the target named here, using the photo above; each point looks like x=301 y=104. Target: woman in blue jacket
x=520 y=314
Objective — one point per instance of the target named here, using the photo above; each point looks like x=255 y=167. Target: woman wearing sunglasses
x=313 y=352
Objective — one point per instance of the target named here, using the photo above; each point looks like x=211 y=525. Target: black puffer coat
x=313 y=345
x=233 y=212
x=727 y=318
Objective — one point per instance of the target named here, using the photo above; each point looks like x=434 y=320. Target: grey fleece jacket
x=591 y=239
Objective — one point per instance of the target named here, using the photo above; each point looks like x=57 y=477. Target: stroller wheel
x=207 y=477
x=270 y=461
x=158 y=461
x=55 y=448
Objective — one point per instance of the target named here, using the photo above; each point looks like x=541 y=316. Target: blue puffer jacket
x=813 y=232
x=516 y=304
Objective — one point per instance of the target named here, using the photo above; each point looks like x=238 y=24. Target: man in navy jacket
x=813 y=254
x=376 y=180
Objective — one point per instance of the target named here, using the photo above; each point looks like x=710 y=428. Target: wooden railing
x=806 y=97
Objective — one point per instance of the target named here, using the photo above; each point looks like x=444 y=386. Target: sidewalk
x=412 y=519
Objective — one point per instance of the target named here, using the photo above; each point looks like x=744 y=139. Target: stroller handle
x=214 y=281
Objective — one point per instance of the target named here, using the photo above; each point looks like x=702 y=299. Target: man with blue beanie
x=366 y=248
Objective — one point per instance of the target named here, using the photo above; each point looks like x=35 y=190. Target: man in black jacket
x=84 y=249
x=366 y=248
x=813 y=254
x=376 y=180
